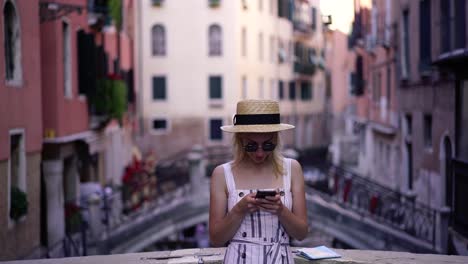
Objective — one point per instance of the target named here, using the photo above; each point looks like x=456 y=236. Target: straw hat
x=257 y=116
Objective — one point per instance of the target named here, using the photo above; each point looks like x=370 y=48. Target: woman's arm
x=294 y=221
x=223 y=224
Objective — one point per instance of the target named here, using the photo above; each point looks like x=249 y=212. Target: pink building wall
x=20 y=105
x=381 y=60
x=65 y=116
x=126 y=46
x=340 y=62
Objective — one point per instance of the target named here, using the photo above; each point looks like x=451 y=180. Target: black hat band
x=257 y=119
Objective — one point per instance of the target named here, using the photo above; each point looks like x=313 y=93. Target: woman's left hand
x=271 y=204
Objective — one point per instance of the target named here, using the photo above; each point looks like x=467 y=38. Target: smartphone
x=265 y=193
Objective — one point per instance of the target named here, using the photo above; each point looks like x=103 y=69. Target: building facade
x=193 y=71
x=20 y=129
x=414 y=104
x=87 y=74
x=432 y=92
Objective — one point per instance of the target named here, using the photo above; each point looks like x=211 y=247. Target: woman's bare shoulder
x=295 y=165
x=218 y=171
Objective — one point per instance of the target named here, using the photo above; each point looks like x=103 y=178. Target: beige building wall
x=187 y=67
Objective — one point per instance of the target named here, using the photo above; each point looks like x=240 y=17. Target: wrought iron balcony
x=304 y=68
x=382 y=204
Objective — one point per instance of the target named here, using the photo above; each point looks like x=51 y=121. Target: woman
x=257 y=229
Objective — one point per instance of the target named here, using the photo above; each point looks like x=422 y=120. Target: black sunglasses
x=252 y=147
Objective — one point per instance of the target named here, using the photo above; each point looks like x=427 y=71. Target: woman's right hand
x=248 y=204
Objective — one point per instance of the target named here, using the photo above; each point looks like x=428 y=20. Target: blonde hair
x=276 y=157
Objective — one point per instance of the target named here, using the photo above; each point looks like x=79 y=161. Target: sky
x=342 y=12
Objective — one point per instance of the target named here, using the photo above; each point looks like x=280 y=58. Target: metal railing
x=380 y=203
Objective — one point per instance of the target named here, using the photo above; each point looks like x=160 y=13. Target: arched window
x=215 y=40
x=158 y=40
x=12 y=44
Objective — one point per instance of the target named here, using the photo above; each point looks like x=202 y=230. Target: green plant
x=115 y=10
x=19 y=203
x=111 y=97
x=118 y=99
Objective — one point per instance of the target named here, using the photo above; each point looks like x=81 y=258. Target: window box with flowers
x=19 y=203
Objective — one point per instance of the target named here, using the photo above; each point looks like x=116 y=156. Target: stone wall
x=215 y=255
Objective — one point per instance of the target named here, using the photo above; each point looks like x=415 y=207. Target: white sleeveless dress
x=261 y=238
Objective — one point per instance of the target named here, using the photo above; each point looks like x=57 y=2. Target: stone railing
x=215 y=255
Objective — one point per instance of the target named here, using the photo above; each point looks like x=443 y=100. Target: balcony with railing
x=306 y=60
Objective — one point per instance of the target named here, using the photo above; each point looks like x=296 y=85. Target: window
x=292 y=90
x=445 y=34
x=284 y=9
x=214 y=3
x=216 y=87
x=87 y=74
x=405 y=45
x=282 y=54
x=428 y=130
x=389 y=86
x=260 y=46
x=424 y=35
x=158 y=38
x=157 y=2
x=12 y=43
x=160 y=125
x=67 y=78
x=453 y=25
x=351 y=82
x=280 y=90
x=215 y=131
x=357 y=78
x=306 y=90
x=462 y=120
x=16 y=163
x=314 y=18
x=159 y=88
x=215 y=40
x=460 y=24
x=244 y=42
x=376 y=89
x=409 y=124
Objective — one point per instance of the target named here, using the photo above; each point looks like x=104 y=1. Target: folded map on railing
x=321 y=252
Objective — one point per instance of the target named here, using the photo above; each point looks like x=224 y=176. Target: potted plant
x=19 y=203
